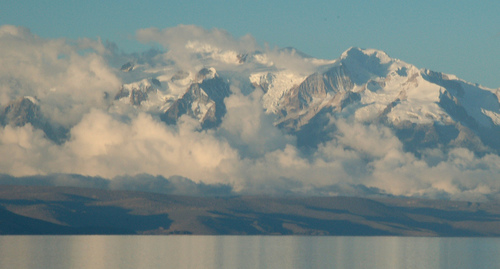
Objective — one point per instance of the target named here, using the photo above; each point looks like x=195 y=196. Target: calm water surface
x=246 y=252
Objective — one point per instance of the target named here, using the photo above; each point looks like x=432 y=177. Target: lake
x=99 y=252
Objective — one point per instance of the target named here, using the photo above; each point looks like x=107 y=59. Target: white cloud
x=247 y=127
x=186 y=42
x=102 y=145
x=107 y=147
x=178 y=39
x=25 y=151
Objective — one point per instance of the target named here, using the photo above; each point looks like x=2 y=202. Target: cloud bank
x=74 y=82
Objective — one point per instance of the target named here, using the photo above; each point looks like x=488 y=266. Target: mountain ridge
x=366 y=77
x=257 y=120
x=39 y=210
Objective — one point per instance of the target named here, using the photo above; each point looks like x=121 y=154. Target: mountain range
x=423 y=107
x=258 y=120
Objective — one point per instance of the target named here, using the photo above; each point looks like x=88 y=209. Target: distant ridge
x=64 y=210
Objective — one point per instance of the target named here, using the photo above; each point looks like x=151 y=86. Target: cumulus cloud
x=67 y=77
x=248 y=128
x=21 y=148
x=104 y=146
x=108 y=147
x=185 y=44
x=179 y=37
x=247 y=153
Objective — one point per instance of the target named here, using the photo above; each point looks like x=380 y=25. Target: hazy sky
x=460 y=37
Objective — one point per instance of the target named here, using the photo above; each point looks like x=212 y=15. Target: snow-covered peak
x=368 y=64
x=366 y=85
x=275 y=85
x=361 y=54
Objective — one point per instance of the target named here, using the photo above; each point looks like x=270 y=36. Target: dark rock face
x=127 y=67
x=217 y=89
x=137 y=97
x=156 y=82
x=21 y=112
x=191 y=104
x=25 y=111
x=180 y=75
x=122 y=93
x=203 y=101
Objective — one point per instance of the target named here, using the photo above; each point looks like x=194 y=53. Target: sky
x=460 y=37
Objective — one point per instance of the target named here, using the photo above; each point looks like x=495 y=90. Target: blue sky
x=460 y=37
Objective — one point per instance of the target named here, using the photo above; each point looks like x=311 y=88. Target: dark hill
x=64 y=210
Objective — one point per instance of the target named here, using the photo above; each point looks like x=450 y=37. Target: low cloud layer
x=247 y=153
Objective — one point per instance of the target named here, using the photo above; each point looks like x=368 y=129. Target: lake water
x=99 y=252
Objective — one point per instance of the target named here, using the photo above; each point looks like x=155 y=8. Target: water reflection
x=101 y=252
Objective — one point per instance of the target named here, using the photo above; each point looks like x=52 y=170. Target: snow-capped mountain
x=204 y=100
x=423 y=107
x=226 y=112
